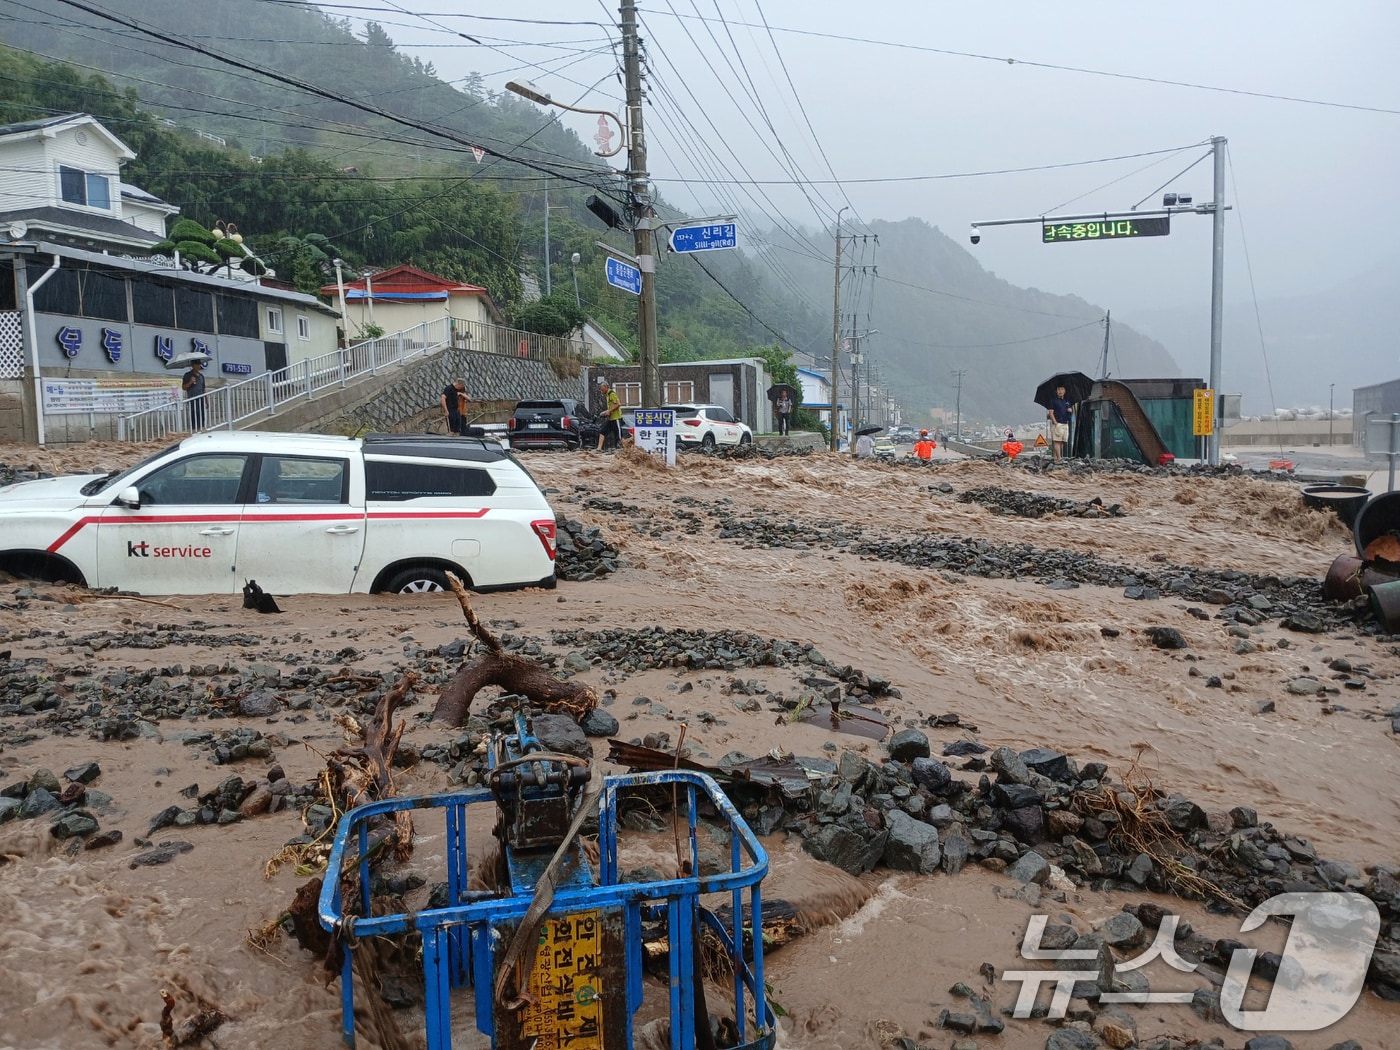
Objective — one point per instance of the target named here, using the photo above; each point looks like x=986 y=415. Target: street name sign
x=1105 y=229
x=707 y=238
x=624 y=275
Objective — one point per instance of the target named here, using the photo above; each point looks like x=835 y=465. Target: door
x=183 y=537
x=303 y=527
x=722 y=390
x=275 y=356
x=726 y=427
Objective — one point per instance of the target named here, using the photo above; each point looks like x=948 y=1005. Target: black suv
x=559 y=423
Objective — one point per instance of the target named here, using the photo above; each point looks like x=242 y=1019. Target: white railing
x=262 y=396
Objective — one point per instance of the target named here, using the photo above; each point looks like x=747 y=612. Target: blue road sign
x=625 y=276
x=709 y=238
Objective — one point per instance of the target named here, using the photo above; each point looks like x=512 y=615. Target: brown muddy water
x=87 y=942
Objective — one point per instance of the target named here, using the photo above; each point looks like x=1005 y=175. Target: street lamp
x=573 y=261
x=525 y=89
x=1330 y=388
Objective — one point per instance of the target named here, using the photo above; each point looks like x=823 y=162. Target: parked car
x=705 y=426
x=298 y=513
x=557 y=423
x=885 y=448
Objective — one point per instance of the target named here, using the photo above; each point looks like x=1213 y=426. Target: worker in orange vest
x=923 y=448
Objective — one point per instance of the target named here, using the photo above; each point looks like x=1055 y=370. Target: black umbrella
x=777 y=390
x=869 y=428
x=1077 y=387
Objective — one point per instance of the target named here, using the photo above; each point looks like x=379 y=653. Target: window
x=274 y=320
x=84 y=188
x=8 y=297
x=102 y=295
x=301 y=479
x=630 y=394
x=152 y=304
x=199 y=481
x=678 y=392
x=719 y=415
x=194 y=310
x=238 y=316
x=396 y=480
x=303 y=326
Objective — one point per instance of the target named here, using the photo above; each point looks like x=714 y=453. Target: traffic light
x=605 y=211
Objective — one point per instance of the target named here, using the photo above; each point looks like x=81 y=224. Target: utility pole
x=836 y=340
x=1217 y=296
x=958 y=374
x=639 y=194
x=1107 y=327
x=548 y=282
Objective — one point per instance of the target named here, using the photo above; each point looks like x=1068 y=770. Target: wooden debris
x=191 y=1029
x=514 y=674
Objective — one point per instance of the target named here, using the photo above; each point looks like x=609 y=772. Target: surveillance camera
x=976 y=235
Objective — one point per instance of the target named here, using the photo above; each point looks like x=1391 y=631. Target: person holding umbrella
x=1059 y=413
x=192 y=383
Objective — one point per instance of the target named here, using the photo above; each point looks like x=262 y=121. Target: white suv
x=299 y=513
x=706 y=426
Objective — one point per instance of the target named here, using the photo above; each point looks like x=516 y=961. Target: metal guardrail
x=262 y=396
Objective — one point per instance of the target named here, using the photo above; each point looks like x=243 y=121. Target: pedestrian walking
x=1060 y=413
x=784 y=409
x=192 y=383
x=453 y=403
x=865 y=447
x=611 y=434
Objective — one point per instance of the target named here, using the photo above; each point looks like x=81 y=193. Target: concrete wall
x=399 y=401
x=1290 y=433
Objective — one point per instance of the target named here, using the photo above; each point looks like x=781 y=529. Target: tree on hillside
x=550 y=315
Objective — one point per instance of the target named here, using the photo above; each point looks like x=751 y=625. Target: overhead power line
x=1009 y=61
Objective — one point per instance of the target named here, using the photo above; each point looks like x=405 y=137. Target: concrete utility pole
x=1217 y=296
x=836 y=340
x=639 y=193
x=548 y=282
x=958 y=375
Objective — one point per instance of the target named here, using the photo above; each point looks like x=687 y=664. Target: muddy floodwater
x=1043 y=639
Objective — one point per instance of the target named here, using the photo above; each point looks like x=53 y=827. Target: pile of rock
x=67 y=805
x=755 y=451
x=582 y=552
x=1033 y=505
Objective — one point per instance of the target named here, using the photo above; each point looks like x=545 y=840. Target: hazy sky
x=1310 y=182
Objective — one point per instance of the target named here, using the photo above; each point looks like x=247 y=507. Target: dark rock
x=561 y=734
x=1058 y=937
x=9 y=808
x=1206 y=1005
x=963 y=1024
x=1183 y=814
x=38 y=802
x=83 y=774
x=1015 y=796
x=259 y=704
x=1244 y=817
x=962 y=748
x=912 y=845
x=73 y=825
x=931 y=774
x=955 y=851
x=1268 y=1042
x=1350 y=1044
x=1166 y=638
x=1047 y=763
x=909 y=744
x=599 y=723
x=1140 y=870
x=1027 y=824
x=1010 y=769
x=1070 y=1039
x=1306 y=622
x=1032 y=867
x=43 y=779
x=841 y=846
x=1123 y=931
x=162 y=854
x=102 y=839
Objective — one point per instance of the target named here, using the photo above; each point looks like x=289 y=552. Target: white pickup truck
x=299 y=513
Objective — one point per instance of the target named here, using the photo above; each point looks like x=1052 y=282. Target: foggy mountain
x=1345 y=336
x=938 y=311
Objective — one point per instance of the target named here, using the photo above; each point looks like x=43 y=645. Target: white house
x=62 y=184
x=403 y=296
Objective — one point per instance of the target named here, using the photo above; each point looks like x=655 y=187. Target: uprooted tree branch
x=514 y=674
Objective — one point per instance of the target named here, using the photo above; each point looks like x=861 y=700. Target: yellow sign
x=1203 y=420
x=566 y=1012
x=1040 y=441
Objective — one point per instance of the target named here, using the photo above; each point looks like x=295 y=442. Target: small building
x=62 y=184
x=403 y=296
